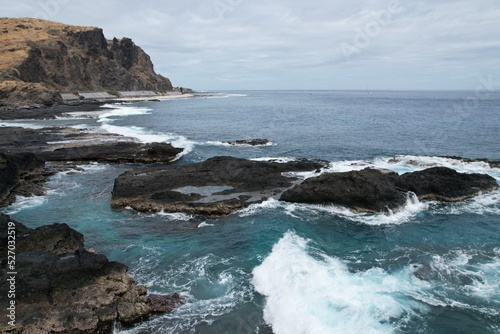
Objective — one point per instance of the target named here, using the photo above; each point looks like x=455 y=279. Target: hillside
x=41 y=59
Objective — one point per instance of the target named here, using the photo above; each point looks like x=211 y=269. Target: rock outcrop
x=445 y=184
x=62 y=288
x=20 y=174
x=218 y=186
x=41 y=58
x=368 y=190
x=249 y=142
x=24 y=173
x=120 y=152
x=376 y=191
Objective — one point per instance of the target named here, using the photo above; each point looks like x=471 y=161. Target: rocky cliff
x=40 y=59
x=61 y=287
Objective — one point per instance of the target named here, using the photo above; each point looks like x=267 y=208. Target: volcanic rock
x=20 y=174
x=375 y=191
x=218 y=186
x=368 y=190
x=445 y=184
x=45 y=58
x=62 y=288
x=250 y=142
x=119 y=152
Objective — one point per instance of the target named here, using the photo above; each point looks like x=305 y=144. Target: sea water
x=288 y=268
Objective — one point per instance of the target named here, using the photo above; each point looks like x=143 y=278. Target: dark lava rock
x=119 y=152
x=492 y=163
x=218 y=186
x=445 y=184
x=368 y=190
x=62 y=288
x=73 y=145
x=20 y=173
x=251 y=142
x=375 y=191
x=164 y=303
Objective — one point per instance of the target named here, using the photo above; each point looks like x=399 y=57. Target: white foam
x=174 y=216
x=220 y=95
x=408 y=212
x=410 y=163
x=315 y=293
x=226 y=144
x=252 y=209
x=281 y=160
x=122 y=111
x=205 y=224
x=145 y=136
x=23 y=203
x=209 y=291
x=469 y=273
x=24 y=125
x=482 y=204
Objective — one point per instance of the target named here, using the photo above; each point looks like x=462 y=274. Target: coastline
x=51 y=112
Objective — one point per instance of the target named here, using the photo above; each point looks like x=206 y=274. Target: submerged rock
x=375 y=191
x=218 y=186
x=251 y=142
x=62 y=288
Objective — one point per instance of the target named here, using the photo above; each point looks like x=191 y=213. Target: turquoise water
x=288 y=268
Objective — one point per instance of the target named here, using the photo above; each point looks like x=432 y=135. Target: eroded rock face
x=218 y=186
x=44 y=58
x=376 y=191
x=63 y=288
x=19 y=175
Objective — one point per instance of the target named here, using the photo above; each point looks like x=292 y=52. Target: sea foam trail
x=141 y=134
x=310 y=292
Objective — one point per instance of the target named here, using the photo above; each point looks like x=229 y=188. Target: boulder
x=375 y=191
x=63 y=288
x=445 y=184
x=218 y=186
x=250 y=142
x=368 y=190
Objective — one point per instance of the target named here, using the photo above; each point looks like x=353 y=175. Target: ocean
x=288 y=268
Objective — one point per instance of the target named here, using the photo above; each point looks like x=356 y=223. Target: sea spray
x=310 y=292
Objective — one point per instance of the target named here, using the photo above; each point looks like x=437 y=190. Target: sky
x=297 y=44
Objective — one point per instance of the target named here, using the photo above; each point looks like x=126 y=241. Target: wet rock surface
x=249 y=142
x=63 y=288
x=120 y=152
x=376 y=191
x=368 y=190
x=445 y=184
x=20 y=174
x=217 y=186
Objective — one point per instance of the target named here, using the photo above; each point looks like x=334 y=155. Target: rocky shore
x=218 y=186
x=223 y=185
x=22 y=172
x=61 y=287
x=41 y=60
x=376 y=191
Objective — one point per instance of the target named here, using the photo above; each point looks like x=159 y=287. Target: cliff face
x=41 y=58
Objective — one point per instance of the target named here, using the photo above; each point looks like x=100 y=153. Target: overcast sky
x=297 y=44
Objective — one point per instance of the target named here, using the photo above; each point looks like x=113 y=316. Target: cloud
x=243 y=44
